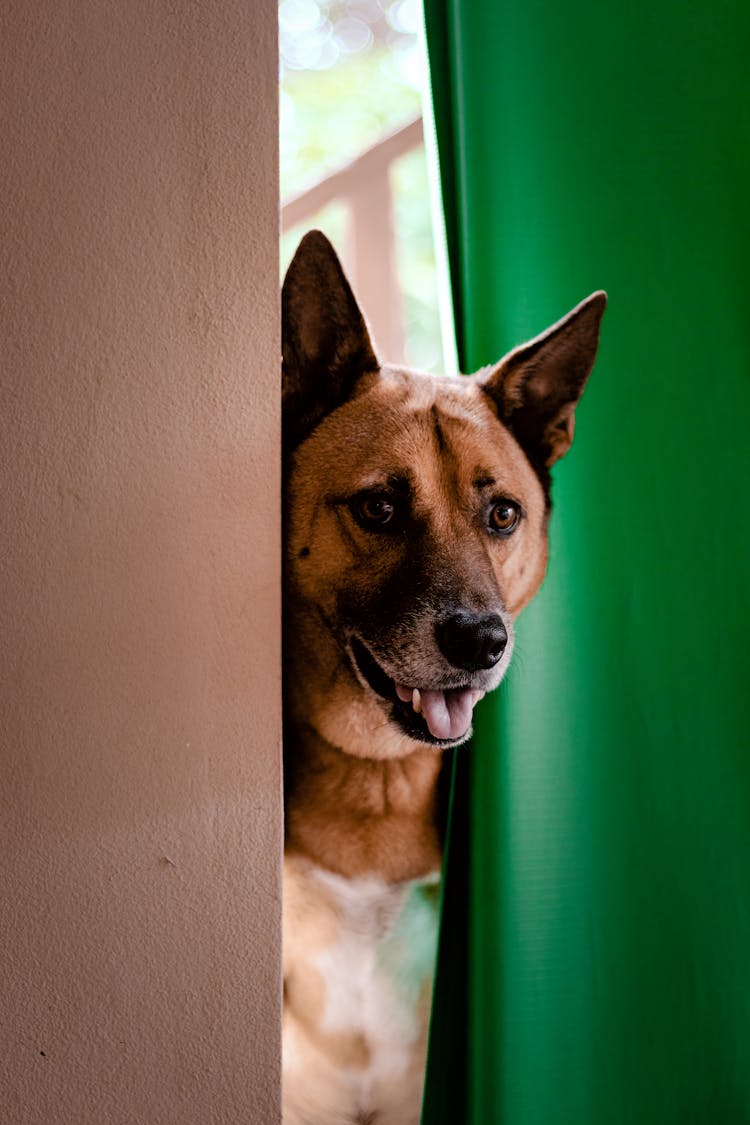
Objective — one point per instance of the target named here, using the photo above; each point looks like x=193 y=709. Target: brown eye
x=503 y=517
x=373 y=511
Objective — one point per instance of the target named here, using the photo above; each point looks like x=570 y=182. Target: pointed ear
x=536 y=387
x=325 y=343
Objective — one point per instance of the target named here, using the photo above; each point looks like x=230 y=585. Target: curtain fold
x=595 y=953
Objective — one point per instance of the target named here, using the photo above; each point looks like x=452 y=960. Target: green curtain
x=595 y=958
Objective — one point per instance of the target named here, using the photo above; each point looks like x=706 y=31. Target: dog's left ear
x=325 y=343
x=536 y=387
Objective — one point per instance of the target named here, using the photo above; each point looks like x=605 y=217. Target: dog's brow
x=483 y=481
x=396 y=481
x=400 y=481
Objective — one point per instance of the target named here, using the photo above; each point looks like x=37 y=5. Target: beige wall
x=139 y=664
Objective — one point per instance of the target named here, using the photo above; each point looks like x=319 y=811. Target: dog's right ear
x=325 y=343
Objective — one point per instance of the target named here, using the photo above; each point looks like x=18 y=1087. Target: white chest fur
x=358 y=964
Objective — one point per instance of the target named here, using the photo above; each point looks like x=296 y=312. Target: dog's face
x=416 y=515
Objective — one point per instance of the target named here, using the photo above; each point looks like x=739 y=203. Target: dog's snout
x=472 y=641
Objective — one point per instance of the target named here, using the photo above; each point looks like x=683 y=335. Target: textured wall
x=140 y=719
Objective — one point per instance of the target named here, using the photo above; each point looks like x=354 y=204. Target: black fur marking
x=483 y=482
x=439 y=436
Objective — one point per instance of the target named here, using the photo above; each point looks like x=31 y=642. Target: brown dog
x=416 y=531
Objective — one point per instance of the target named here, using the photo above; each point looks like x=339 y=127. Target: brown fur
x=368 y=608
x=356 y=816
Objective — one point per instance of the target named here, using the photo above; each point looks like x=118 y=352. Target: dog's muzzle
x=441 y=716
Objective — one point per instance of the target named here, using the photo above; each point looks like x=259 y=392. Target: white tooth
x=416 y=701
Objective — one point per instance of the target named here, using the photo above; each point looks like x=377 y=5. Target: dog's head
x=416 y=515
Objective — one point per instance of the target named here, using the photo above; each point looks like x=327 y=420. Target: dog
x=416 y=514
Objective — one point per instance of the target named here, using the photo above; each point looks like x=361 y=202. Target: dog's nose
x=472 y=641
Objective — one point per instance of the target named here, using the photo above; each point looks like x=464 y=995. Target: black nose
x=472 y=640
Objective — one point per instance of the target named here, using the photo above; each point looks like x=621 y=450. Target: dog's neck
x=363 y=816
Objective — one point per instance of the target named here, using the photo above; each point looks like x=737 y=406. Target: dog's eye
x=503 y=517
x=373 y=511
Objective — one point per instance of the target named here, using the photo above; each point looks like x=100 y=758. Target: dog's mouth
x=439 y=716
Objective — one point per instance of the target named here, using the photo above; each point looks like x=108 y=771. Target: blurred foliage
x=416 y=262
x=329 y=116
x=317 y=34
x=338 y=100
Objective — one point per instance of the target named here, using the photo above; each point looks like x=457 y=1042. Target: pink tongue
x=447 y=713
